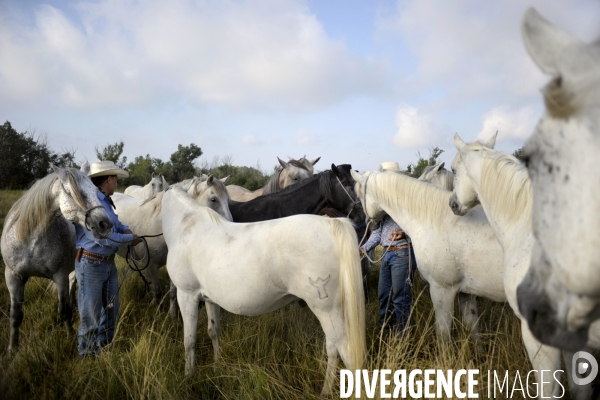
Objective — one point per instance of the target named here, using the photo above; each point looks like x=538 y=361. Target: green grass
x=280 y=355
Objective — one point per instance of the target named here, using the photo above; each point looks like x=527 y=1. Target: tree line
x=25 y=157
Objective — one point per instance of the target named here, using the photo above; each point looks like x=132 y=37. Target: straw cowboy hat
x=103 y=168
x=389 y=166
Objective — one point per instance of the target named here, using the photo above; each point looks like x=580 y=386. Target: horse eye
x=213 y=199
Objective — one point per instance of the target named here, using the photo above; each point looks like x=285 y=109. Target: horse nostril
x=103 y=225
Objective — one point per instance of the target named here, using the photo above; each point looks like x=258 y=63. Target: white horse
x=501 y=184
x=38 y=238
x=453 y=254
x=560 y=296
x=293 y=171
x=236 y=266
x=144 y=218
x=156 y=185
x=438 y=176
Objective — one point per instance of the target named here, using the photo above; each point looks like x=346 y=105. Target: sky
x=351 y=81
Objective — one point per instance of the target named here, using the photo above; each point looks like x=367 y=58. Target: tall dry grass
x=275 y=356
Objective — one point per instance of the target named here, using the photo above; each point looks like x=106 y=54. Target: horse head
x=438 y=176
x=343 y=197
x=77 y=199
x=211 y=192
x=466 y=168
x=293 y=172
x=157 y=184
x=371 y=208
x=560 y=295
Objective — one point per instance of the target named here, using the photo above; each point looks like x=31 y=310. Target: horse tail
x=351 y=292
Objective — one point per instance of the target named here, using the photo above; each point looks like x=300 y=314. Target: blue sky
x=357 y=82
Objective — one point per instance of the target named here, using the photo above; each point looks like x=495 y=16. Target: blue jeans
x=395 y=298
x=98 y=302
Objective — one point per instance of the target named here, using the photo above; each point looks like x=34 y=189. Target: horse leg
x=336 y=344
x=16 y=287
x=64 y=302
x=542 y=357
x=152 y=275
x=213 y=312
x=470 y=316
x=189 y=312
x=73 y=290
x=173 y=306
x=443 y=304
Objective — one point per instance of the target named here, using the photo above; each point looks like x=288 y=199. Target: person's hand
x=135 y=240
x=396 y=235
x=361 y=251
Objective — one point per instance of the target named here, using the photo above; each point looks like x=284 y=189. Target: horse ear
x=62 y=174
x=224 y=180
x=439 y=166
x=85 y=168
x=356 y=176
x=153 y=175
x=458 y=142
x=209 y=180
x=545 y=43
x=283 y=163
x=165 y=184
x=316 y=160
x=335 y=170
x=492 y=142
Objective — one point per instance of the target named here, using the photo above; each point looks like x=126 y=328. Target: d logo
x=583 y=363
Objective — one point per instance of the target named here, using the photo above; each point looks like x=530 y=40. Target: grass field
x=275 y=356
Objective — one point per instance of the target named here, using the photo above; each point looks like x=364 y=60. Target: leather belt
x=95 y=256
x=394 y=248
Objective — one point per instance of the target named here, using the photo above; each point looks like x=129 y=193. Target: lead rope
x=134 y=261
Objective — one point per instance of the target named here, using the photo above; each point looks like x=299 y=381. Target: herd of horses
x=494 y=227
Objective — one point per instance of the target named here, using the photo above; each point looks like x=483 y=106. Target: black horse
x=333 y=188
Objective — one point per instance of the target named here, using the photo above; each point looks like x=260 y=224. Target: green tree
x=415 y=170
x=112 y=152
x=23 y=157
x=519 y=154
x=182 y=163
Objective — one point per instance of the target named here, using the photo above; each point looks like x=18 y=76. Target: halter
x=354 y=202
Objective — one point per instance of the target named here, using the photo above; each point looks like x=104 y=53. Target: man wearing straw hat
x=95 y=269
x=397 y=268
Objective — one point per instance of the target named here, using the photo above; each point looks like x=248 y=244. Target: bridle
x=87 y=212
x=354 y=202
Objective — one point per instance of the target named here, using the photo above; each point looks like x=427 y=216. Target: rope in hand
x=365 y=255
x=132 y=262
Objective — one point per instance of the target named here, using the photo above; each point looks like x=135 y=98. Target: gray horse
x=38 y=238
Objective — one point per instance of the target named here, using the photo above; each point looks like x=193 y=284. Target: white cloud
x=418 y=128
x=306 y=138
x=252 y=140
x=512 y=125
x=474 y=50
x=248 y=55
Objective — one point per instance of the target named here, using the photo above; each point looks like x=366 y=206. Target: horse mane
x=420 y=199
x=325 y=185
x=33 y=210
x=508 y=186
x=272 y=185
x=298 y=164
